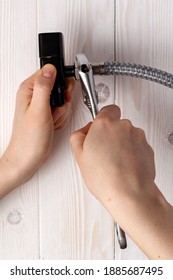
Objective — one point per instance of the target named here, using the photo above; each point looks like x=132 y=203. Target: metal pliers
x=84 y=73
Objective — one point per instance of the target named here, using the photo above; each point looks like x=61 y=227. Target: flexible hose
x=134 y=70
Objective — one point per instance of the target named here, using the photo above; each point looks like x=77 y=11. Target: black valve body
x=51 y=51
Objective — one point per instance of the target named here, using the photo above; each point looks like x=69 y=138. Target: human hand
x=114 y=156
x=35 y=122
x=118 y=168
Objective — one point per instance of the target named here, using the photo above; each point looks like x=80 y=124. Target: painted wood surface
x=144 y=36
x=53 y=216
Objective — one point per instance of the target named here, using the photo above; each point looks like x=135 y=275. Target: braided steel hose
x=134 y=70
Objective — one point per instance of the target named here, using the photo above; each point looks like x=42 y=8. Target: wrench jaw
x=84 y=73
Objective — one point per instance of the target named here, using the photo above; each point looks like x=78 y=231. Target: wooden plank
x=19 y=232
x=73 y=225
x=144 y=36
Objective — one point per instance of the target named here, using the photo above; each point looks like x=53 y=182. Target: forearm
x=148 y=219
x=10 y=176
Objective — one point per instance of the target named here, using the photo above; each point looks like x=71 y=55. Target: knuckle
x=103 y=121
x=113 y=111
x=117 y=109
x=127 y=124
x=140 y=132
x=108 y=115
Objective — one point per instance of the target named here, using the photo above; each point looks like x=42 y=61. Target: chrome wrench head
x=84 y=73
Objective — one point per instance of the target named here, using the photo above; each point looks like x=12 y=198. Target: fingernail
x=48 y=71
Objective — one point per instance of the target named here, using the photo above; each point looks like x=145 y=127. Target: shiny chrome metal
x=84 y=73
x=121 y=237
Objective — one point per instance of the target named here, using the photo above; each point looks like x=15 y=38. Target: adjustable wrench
x=84 y=73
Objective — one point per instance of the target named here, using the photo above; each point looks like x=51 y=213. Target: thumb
x=42 y=87
x=77 y=139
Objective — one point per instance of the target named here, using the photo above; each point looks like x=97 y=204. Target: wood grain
x=144 y=36
x=73 y=224
x=19 y=231
x=54 y=216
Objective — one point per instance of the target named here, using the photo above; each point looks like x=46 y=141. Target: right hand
x=114 y=157
x=117 y=165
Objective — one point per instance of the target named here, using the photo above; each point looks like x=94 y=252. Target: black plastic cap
x=51 y=45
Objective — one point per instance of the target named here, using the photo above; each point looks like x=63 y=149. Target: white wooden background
x=53 y=216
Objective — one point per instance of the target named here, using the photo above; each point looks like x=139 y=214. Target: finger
x=62 y=123
x=111 y=112
x=70 y=82
x=77 y=139
x=58 y=112
x=42 y=88
x=63 y=119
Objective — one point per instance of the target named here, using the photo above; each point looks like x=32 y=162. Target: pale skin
x=115 y=160
x=33 y=128
x=118 y=168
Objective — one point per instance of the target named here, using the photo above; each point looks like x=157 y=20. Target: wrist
x=132 y=201
x=147 y=218
x=8 y=176
x=12 y=173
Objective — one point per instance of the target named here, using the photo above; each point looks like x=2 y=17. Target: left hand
x=35 y=122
